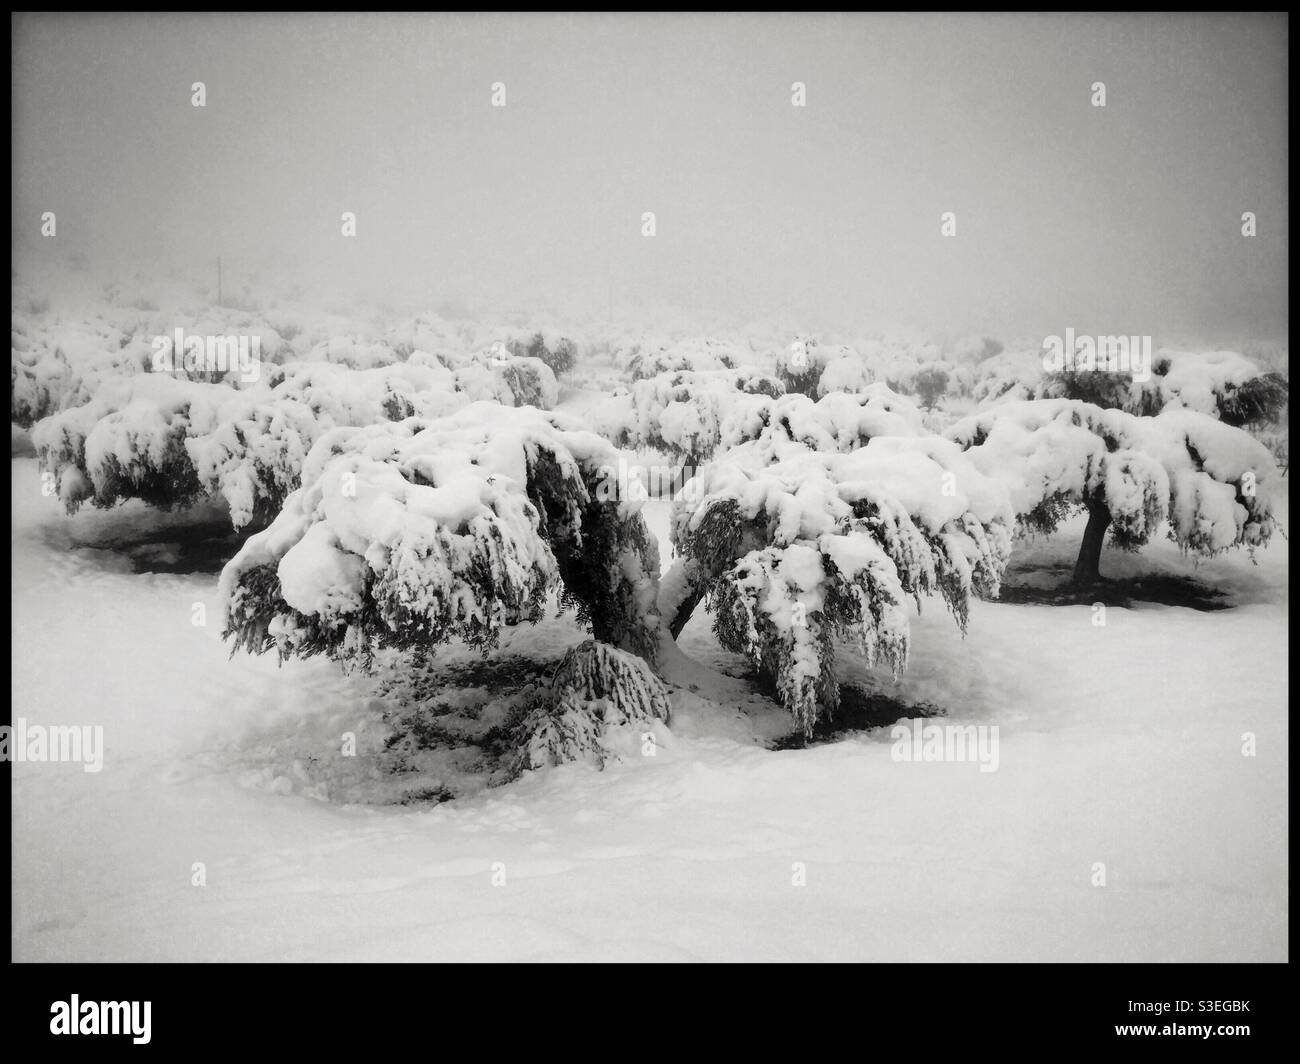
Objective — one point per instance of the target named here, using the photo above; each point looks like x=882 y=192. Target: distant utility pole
x=218 y=280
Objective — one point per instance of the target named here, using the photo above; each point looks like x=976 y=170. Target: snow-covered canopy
x=683 y=412
x=1212 y=482
x=817 y=528
x=423 y=530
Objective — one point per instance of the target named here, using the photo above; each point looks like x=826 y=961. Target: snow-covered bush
x=931 y=383
x=412 y=533
x=37 y=386
x=559 y=353
x=794 y=542
x=1254 y=403
x=1007 y=376
x=493 y=373
x=1212 y=482
x=353 y=353
x=128 y=443
x=813 y=368
x=801 y=363
x=1221 y=384
x=620 y=346
x=897 y=358
x=59 y=364
x=168 y=441
x=682 y=413
x=1110 y=391
x=55 y=365
x=845 y=372
x=696 y=354
x=529 y=381
x=839 y=421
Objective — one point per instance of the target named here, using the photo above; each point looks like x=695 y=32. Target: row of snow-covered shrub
x=813 y=523
x=59 y=360
x=167 y=440
x=416 y=489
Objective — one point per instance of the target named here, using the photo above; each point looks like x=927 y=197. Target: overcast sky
x=1118 y=219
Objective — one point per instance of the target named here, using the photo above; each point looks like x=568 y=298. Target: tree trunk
x=1086 y=569
x=678 y=621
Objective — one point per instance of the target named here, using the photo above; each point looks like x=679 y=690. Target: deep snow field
x=1119 y=744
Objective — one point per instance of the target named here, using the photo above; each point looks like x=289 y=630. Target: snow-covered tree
x=353 y=353
x=559 y=353
x=1007 y=376
x=1222 y=384
x=839 y=421
x=815 y=368
x=931 y=383
x=1254 y=403
x=495 y=373
x=801 y=363
x=168 y=441
x=682 y=413
x=115 y=427
x=57 y=364
x=408 y=534
x=530 y=382
x=694 y=354
x=1212 y=482
x=816 y=529
x=37 y=386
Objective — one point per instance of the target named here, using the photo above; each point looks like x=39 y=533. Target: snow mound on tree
x=1213 y=483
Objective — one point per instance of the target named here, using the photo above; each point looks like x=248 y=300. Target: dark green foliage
x=1258 y=401
x=1047 y=516
x=524 y=384
x=931 y=385
x=1102 y=388
x=804 y=381
x=596 y=687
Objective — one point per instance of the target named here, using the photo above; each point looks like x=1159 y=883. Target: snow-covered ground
x=1119 y=744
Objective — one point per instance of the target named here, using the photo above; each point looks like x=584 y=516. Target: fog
x=1125 y=218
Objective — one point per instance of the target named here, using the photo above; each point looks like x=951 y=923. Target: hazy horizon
x=1122 y=219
